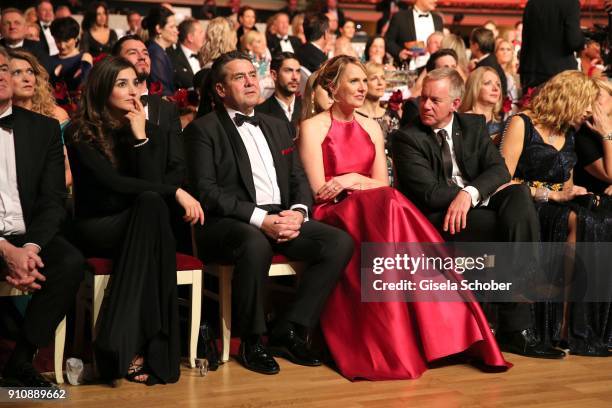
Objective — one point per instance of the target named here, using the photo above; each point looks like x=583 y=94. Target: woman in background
x=297 y=27
x=161 y=26
x=97 y=38
x=507 y=59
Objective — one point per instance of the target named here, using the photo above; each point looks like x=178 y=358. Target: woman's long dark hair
x=89 y=19
x=94 y=123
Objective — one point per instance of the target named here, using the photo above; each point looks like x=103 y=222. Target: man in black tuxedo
x=44 y=12
x=448 y=166
x=186 y=57
x=247 y=174
x=282 y=41
x=284 y=104
x=316 y=30
x=551 y=35
x=33 y=256
x=414 y=24
x=482 y=45
x=331 y=6
x=13 y=31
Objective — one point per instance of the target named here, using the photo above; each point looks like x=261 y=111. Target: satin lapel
x=154 y=102
x=410 y=26
x=458 y=146
x=282 y=173
x=240 y=154
x=275 y=109
x=23 y=154
x=297 y=109
x=184 y=59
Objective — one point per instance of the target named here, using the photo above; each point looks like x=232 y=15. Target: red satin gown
x=389 y=340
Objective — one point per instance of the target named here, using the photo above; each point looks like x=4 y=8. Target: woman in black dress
x=121 y=213
x=97 y=38
x=538 y=146
x=163 y=33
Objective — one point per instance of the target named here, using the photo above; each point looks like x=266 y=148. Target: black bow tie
x=45 y=26
x=285 y=38
x=239 y=119
x=194 y=56
x=6 y=122
x=423 y=15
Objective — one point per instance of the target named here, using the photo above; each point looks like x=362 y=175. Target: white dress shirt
x=285 y=44
x=423 y=27
x=46 y=30
x=262 y=166
x=287 y=109
x=456 y=176
x=18 y=45
x=11 y=213
x=194 y=63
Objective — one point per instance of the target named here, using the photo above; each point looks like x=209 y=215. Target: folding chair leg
x=195 y=314
x=225 y=310
x=58 y=355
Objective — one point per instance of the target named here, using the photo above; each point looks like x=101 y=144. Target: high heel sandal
x=137 y=370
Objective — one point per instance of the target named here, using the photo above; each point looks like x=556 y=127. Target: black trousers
x=325 y=250
x=64 y=268
x=510 y=216
x=140 y=315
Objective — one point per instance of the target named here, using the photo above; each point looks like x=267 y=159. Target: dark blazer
x=419 y=167
x=165 y=115
x=491 y=61
x=40 y=174
x=34 y=47
x=551 y=35
x=401 y=29
x=310 y=57
x=43 y=40
x=183 y=74
x=271 y=107
x=275 y=47
x=161 y=68
x=219 y=170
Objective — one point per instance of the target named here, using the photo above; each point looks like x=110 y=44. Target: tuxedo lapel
x=458 y=146
x=23 y=155
x=297 y=111
x=240 y=154
x=183 y=59
x=153 y=103
x=410 y=27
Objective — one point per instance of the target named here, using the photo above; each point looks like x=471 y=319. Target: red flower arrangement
x=507 y=104
x=156 y=88
x=65 y=98
x=184 y=98
x=527 y=97
x=396 y=100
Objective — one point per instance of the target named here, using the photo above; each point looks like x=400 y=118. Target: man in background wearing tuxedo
x=448 y=166
x=186 y=57
x=33 y=256
x=13 y=31
x=282 y=41
x=44 y=12
x=244 y=169
x=316 y=30
x=285 y=104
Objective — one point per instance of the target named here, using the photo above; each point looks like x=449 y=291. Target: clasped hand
x=284 y=226
x=22 y=267
x=332 y=188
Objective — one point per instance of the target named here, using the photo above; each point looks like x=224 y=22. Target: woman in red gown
x=343 y=154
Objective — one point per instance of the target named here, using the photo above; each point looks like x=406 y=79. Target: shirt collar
x=18 y=45
x=316 y=45
x=483 y=57
x=232 y=112
x=417 y=12
x=448 y=127
x=7 y=112
x=284 y=106
x=188 y=53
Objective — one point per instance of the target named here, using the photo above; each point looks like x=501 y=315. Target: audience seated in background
x=507 y=59
x=538 y=147
x=297 y=27
x=284 y=104
x=482 y=45
x=13 y=30
x=315 y=99
x=186 y=58
x=247 y=174
x=45 y=15
x=121 y=213
x=254 y=44
x=343 y=44
x=96 y=37
x=281 y=41
x=161 y=28
x=34 y=255
x=317 y=31
x=466 y=195
x=247 y=19
x=134 y=22
x=375 y=51
x=483 y=97
x=455 y=43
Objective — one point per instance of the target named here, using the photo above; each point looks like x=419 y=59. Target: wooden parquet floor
x=575 y=382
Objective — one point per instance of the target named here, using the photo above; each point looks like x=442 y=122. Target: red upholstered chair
x=60 y=333
x=281 y=266
x=189 y=272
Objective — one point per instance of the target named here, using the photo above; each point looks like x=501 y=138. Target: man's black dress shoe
x=292 y=347
x=254 y=357
x=25 y=375
x=526 y=344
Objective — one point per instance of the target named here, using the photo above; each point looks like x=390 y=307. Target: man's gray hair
x=456 y=84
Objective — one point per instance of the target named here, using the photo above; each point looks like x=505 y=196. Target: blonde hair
x=43 y=101
x=332 y=70
x=456 y=44
x=372 y=67
x=248 y=39
x=220 y=38
x=472 y=90
x=561 y=101
x=603 y=84
x=297 y=24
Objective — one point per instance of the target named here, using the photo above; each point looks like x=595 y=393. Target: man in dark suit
x=482 y=45
x=186 y=57
x=282 y=41
x=33 y=256
x=551 y=35
x=13 y=31
x=448 y=166
x=331 y=6
x=284 y=104
x=414 y=24
x=44 y=12
x=247 y=174
x=316 y=30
